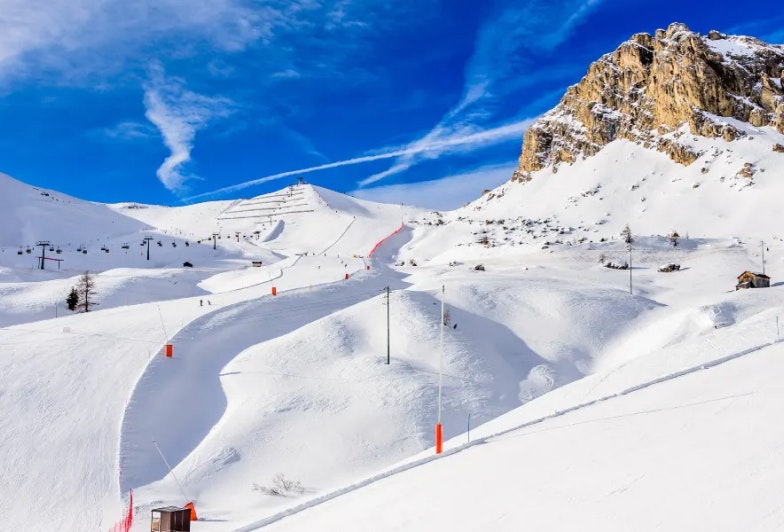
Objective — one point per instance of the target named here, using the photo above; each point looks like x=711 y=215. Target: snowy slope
x=32 y=214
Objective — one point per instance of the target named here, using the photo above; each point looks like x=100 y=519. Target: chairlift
x=84 y=251
x=20 y=251
x=174 y=244
x=28 y=250
x=160 y=244
x=126 y=246
x=51 y=248
x=106 y=249
x=58 y=251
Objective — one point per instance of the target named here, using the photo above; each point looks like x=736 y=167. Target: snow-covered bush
x=281 y=487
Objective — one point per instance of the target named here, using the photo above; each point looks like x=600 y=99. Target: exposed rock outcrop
x=651 y=86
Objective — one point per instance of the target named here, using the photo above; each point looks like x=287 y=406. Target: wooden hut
x=170 y=519
x=752 y=280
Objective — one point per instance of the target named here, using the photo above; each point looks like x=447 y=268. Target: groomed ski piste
x=567 y=402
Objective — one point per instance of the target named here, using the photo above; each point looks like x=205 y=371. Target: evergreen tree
x=73 y=299
x=627 y=236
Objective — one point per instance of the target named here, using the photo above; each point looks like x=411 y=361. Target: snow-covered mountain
x=577 y=394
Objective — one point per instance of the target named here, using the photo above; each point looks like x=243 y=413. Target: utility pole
x=44 y=244
x=147 y=240
x=215 y=240
x=630 y=269
x=387 y=290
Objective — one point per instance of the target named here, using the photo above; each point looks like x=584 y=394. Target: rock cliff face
x=652 y=86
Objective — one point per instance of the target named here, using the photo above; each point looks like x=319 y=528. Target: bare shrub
x=281 y=487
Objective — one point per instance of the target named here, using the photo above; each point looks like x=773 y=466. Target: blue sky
x=175 y=101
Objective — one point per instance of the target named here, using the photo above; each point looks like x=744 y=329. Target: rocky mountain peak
x=651 y=87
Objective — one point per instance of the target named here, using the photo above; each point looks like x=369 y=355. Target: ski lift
x=58 y=251
x=84 y=251
x=160 y=244
x=51 y=248
x=20 y=251
x=106 y=249
x=126 y=246
x=28 y=250
x=174 y=244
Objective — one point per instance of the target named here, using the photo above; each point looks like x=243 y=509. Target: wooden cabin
x=170 y=519
x=752 y=280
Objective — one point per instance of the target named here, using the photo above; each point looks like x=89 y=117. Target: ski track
x=185 y=391
x=333 y=244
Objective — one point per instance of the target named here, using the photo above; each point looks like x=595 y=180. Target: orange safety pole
x=439 y=439
x=274 y=291
x=192 y=508
x=346 y=276
x=169 y=350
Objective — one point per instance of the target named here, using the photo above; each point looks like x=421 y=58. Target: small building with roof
x=752 y=280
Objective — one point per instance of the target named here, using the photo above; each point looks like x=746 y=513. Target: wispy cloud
x=498 y=58
x=127 y=130
x=70 y=39
x=76 y=41
x=179 y=113
x=444 y=193
x=472 y=140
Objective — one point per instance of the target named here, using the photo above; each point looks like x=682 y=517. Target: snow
x=574 y=390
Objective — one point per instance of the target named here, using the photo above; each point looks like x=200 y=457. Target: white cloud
x=465 y=142
x=128 y=130
x=83 y=42
x=179 y=113
x=66 y=36
x=446 y=193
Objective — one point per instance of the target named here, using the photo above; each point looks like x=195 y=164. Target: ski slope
x=573 y=389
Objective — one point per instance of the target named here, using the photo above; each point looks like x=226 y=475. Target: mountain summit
x=653 y=85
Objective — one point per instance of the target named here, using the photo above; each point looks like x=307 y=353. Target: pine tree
x=73 y=299
x=85 y=289
x=627 y=236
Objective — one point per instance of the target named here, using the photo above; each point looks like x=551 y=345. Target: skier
x=201 y=303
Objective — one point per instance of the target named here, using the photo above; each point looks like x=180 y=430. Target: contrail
x=487 y=136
